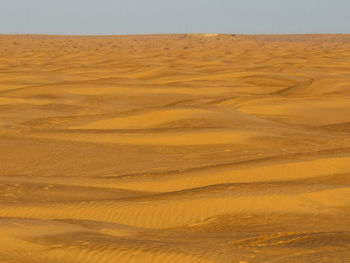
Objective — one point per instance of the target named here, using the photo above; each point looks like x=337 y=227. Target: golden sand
x=174 y=148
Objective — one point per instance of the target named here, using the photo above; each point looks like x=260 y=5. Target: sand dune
x=174 y=148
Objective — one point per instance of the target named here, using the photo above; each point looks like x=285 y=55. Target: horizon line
x=160 y=34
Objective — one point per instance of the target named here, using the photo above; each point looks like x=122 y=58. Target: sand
x=174 y=148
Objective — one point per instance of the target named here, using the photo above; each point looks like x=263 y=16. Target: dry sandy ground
x=180 y=148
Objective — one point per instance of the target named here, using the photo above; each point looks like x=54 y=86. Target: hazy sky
x=174 y=16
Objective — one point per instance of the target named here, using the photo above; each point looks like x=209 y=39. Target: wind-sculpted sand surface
x=175 y=148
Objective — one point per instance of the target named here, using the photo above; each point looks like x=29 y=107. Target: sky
x=116 y=17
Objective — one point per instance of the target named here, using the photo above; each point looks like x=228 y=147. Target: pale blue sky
x=174 y=16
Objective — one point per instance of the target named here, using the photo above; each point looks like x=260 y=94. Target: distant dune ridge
x=174 y=148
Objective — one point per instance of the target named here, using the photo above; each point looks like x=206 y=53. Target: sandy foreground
x=174 y=148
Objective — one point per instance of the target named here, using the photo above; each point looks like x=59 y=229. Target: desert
x=175 y=148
